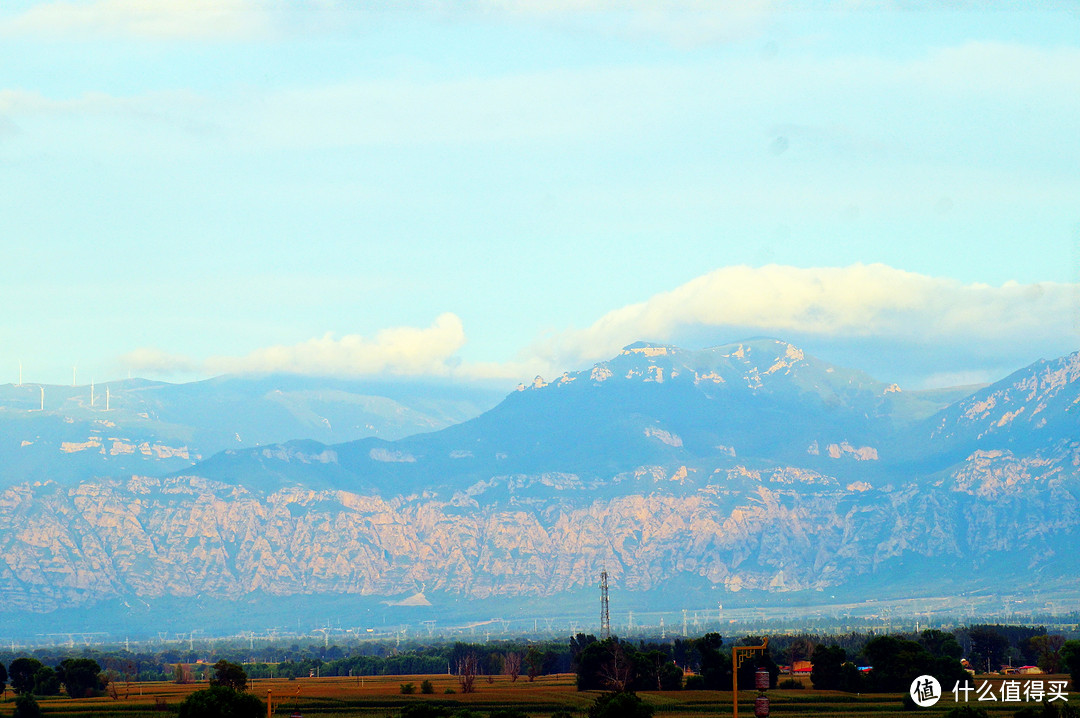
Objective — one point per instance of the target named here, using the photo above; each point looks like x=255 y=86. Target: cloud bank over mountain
x=922 y=329
x=859 y=302
x=902 y=326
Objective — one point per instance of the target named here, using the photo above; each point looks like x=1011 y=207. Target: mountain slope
x=1035 y=409
x=651 y=405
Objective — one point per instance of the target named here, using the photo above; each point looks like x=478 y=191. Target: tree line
x=670 y=664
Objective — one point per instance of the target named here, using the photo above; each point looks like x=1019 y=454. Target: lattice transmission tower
x=605 y=617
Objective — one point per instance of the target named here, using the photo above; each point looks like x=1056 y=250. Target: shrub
x=26 y=707
x=620 y=705
x=427 y=688
x=790 y=683
x=407 y=689
x=693 y=683
x=1047 y=710
x=221 y=702
x=966 y=712
x=423 y=710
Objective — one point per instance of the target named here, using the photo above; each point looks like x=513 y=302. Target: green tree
x=1070 y=658
x=589 y=664
x=714 y=667
x=21 y=672
x=656 y=672
x=828 y=673
x=534 y=661
x=46 y=682
x=3 y=678
x=897 y=662
x=221 y=702
x=1045 y=650
x=81 y=677
x=620 y=705
x=988 y=648
x=940 y=644
x=229 y=675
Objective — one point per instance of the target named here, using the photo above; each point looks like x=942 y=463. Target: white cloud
x=398 y=350
x=899 y=325
x=860 y=302
x=141 y=19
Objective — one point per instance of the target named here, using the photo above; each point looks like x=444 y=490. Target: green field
x=380 y=696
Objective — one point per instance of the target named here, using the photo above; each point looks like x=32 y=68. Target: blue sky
x=500 y=189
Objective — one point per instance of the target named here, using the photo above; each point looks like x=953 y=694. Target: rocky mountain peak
x=648 y=349
x=1040 y=403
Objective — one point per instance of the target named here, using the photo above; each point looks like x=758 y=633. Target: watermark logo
x=1013 y=691
x=925 y=691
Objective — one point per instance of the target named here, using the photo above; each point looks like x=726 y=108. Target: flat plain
x=381 y=697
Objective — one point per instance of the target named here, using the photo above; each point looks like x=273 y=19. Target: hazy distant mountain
x=749 y=466
x=139 y=426
x=651 y=405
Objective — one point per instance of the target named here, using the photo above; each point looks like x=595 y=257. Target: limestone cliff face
x=779 y=528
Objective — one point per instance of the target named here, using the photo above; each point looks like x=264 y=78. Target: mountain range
x=744 y=469
x=71 y=433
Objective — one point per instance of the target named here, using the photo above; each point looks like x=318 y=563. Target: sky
x=488 y=191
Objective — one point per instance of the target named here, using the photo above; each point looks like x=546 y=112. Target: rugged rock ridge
x=738 y=528
x=1038 y=404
